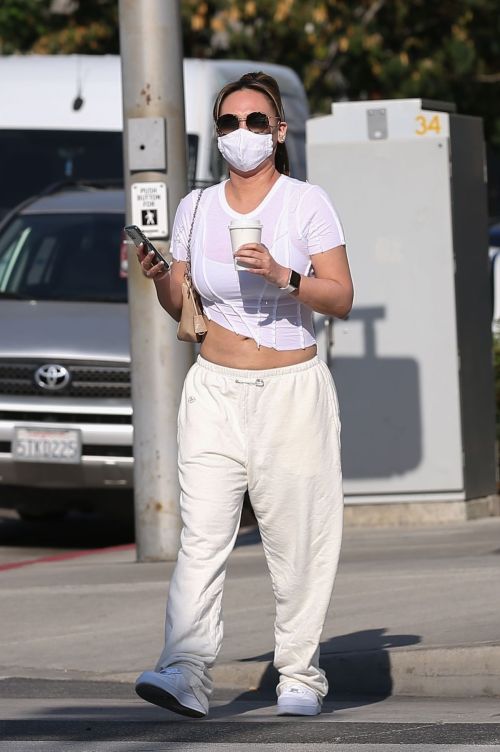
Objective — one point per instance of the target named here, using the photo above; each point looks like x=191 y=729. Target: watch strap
x=293 y=282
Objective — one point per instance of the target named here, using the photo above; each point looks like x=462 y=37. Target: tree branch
x=372 y=12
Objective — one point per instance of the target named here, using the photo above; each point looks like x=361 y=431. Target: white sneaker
x=295 y=699
x=171 y=689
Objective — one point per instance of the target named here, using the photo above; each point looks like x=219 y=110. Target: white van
x=62 y=118
x=65 y=395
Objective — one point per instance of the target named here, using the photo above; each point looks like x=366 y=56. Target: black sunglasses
x=257 y=122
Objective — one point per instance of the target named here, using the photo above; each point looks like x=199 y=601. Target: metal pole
x=155 y=166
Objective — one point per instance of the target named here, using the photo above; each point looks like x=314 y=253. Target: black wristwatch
x=293 y=282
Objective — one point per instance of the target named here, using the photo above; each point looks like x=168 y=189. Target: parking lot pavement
x=23 y=541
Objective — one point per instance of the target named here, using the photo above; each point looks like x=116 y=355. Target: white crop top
x=298 y=220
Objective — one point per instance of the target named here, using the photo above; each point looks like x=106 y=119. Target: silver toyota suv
x=65 y=404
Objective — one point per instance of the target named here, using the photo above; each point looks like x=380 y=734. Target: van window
x=63 y=257
x=34 y=159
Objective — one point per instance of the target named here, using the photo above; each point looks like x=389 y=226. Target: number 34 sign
x=428 y=125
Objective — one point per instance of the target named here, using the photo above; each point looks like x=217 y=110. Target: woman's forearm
x=325 y=296
x=169 y=296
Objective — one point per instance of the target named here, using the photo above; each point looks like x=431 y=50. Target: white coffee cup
x=244 y=231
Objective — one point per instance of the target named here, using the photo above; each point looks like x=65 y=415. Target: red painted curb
x=62 y=557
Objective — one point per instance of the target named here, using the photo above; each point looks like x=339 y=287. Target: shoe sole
x=164 y=699
x=297 y=710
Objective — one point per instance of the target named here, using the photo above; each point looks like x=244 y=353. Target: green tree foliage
x=21 y=24
x=59 y=26
x=347 y=49
x=370 y=49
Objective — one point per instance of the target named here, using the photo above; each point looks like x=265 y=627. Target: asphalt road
x=43 y=715
x=104 y=716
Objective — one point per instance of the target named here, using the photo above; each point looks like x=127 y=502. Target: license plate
x=47 y=445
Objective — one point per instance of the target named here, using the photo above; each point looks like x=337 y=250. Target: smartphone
x=137 y=236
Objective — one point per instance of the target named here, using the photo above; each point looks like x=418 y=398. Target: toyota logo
x=52 y=377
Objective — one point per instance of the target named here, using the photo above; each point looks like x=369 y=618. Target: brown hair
x=268 y=86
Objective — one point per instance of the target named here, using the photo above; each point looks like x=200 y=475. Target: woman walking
x=258 y=408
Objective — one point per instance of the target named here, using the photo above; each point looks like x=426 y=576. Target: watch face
x=294 y=279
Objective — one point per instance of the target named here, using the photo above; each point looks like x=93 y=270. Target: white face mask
x=245 y=150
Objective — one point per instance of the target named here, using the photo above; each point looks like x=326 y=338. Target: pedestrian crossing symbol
x=149 y=208
x=149 y=216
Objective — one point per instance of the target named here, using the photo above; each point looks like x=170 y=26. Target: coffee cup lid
x=237 y=223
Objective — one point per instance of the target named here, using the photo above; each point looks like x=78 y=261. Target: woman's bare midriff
x=225 y=348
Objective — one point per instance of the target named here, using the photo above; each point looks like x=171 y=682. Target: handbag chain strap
x=188 y=254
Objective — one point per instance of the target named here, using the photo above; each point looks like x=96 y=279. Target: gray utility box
x=413 y=362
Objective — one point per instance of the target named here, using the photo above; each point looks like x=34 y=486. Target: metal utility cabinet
x=412 y=363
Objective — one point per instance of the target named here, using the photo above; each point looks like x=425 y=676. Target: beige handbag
x=192 y=325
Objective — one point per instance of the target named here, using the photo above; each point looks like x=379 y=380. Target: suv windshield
x=63 y=257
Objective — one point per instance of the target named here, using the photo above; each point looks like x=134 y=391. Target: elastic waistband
x=264 y=373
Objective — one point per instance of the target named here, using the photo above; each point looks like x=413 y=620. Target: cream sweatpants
x=276 y=431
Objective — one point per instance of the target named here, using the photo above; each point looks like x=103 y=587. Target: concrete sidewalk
x=415 y=612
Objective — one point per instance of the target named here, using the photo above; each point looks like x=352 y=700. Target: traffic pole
x=154 y=140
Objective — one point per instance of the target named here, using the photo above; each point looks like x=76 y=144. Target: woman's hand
x=257 y=258
x=149 y=268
